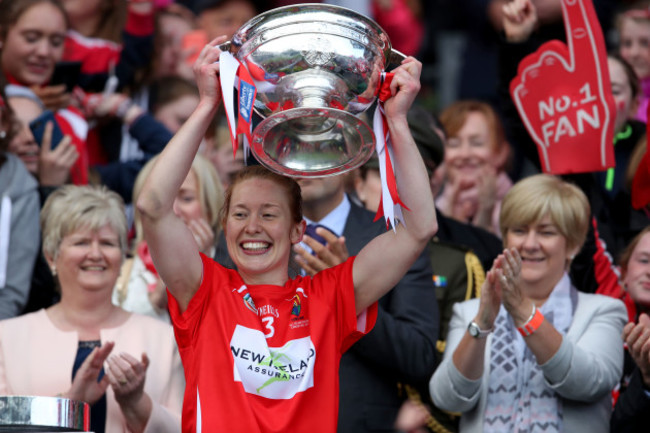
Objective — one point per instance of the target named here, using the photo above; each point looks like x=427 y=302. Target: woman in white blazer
x=534 y=354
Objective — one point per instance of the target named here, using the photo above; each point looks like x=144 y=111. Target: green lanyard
x=609 y=180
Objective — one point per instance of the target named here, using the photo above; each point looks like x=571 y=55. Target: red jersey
x=265 y=358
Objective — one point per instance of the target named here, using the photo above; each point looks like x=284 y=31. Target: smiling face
x=23 y=144
x=260 y=231
x=544 y=255
x=625 y=103
x=469 y=150
x=637 y=274
x=34 y=44
x=635 y=45
x=89 y=259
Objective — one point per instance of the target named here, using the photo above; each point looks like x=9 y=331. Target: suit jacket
x=401 y=348
x=36 y=358
x=583 y=372
x=484 y=244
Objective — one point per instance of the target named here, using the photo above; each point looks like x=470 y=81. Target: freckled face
x=260 y=231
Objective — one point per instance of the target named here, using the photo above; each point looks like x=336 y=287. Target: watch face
x=473 y=329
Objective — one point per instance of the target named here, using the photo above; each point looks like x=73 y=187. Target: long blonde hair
x=211 y=193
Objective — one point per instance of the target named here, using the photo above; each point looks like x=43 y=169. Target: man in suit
x=402 y=346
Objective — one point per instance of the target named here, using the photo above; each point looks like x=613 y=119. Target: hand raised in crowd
x=333 y=253
x=127 y=377
x=53 y=97
x=203 y=234
x=519 y=20
x=486 y=184
x=85 y=386
x=54 y=165
x=457 y=207
x=637 y=338
x=98 y=105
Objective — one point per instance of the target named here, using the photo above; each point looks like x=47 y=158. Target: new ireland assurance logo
x=272 y=372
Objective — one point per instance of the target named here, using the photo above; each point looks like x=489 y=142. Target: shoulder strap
x=475 y=275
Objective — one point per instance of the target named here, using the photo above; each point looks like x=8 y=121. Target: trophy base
x=312 y=142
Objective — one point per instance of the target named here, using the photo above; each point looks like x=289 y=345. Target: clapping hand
x=503 y=285
x=490 y=301
x=637 y=338
x=203 y=234
x=85 y=386
x=334 y=252
x=127 y=375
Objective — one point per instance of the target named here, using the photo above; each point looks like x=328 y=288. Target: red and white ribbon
x=234 y=75
x=390 y=204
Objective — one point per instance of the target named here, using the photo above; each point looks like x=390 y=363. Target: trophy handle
x=395 y=59
x=226 y=46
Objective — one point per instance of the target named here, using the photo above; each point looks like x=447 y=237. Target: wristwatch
x=476 y=332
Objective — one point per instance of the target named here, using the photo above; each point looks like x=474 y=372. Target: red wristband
x=532 y=324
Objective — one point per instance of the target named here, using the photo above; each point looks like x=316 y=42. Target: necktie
x=311 y=232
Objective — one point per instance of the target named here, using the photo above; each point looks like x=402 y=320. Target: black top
x=97 y=410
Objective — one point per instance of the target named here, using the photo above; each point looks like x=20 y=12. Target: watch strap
x=480 y=333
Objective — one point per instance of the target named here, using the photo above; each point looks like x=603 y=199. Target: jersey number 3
x=268 y=324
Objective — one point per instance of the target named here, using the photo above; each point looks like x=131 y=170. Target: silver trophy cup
x=317 y=69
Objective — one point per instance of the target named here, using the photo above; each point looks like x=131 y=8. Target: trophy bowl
x=317 y=69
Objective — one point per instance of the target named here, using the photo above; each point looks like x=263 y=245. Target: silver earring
x=53 y=270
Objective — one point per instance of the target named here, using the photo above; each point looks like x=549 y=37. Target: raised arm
x=172 y=245
x=395 y=252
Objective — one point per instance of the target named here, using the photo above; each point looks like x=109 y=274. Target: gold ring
x=122 y=381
